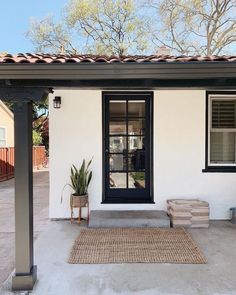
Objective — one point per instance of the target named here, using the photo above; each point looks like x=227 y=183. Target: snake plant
x=81 y=178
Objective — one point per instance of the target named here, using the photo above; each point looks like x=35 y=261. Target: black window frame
x=215 y=168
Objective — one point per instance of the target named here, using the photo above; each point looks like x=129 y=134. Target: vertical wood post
x=7 y=163
x=25 y=271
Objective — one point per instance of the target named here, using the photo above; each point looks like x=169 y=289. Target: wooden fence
x=7 y=161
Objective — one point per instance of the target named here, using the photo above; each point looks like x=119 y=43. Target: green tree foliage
x=187 y=27
x=37 y=138
x=197 y=27
x=98 y=26
x=109 y=26
x=46 y=35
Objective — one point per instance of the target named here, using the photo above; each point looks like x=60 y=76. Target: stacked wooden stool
x=191 y=213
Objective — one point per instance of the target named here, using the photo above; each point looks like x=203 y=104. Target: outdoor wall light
x=57 y=102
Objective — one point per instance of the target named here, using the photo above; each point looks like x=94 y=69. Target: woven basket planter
x=78 y=201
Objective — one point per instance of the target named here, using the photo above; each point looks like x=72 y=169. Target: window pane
x=2 y=143
x=136 y=126
x=117 y=180
x=117 y=108
x=2 y=133
x=136 y=143
x=224 y=113
x=222 y=147
x=137 y=180
x=136 y=160
x=136 y=108
x=117 y=127
x=117 y=144
x=117 y=162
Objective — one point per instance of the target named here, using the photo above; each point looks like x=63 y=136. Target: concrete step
x=137 y=218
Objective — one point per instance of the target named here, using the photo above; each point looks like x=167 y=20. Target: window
x=2 y=137
x=222 y=130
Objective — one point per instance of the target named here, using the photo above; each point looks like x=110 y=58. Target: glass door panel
x=117 y=108
x=118 y=144
x=136 y=126
x=137 y=180
x=117 y=162
x=136 y=143
x=136 y=161
x=117 y=126
x=127 y=148
x=136 y=108
x=118 y=180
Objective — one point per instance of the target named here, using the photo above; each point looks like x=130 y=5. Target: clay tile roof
x=53 y=58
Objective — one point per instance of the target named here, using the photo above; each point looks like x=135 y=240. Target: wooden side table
x=79 y=202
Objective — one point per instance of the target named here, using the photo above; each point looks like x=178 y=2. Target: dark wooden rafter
x=15 y=94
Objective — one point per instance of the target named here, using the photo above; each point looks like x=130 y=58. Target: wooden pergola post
x=23 y=97
x=25 y=271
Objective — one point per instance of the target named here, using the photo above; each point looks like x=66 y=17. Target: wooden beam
x=9 y=93
x=145 y=84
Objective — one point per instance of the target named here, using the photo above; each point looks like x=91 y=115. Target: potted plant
x=80 y=180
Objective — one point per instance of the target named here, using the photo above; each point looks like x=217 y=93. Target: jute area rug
x=133 y=245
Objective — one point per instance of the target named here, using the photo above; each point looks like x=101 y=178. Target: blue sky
x=15 y=19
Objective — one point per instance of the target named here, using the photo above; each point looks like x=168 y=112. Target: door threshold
x=128 y=202
x=128 y=218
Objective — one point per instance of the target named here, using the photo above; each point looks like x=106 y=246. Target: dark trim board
x=206 y=130
x=24 y=94
x=141 y=83
x=101 y=71
x=128 y=202
x=209 y=168
x=138 y=198
x=219 y=169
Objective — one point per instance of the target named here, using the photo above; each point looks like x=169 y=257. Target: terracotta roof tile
x=52 y=58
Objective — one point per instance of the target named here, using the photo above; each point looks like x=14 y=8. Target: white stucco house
x=185 y=139
x=157 y=127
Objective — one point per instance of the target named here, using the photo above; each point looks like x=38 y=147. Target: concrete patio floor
x=57 y=277
x=7 y=220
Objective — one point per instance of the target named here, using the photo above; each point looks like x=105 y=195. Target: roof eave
x=102 y=71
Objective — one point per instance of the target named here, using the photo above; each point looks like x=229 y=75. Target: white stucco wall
x=179 y=151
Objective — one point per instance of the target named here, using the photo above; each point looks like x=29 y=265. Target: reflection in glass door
x=127 y=144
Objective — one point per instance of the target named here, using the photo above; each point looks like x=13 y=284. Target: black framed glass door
x=127 y=147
